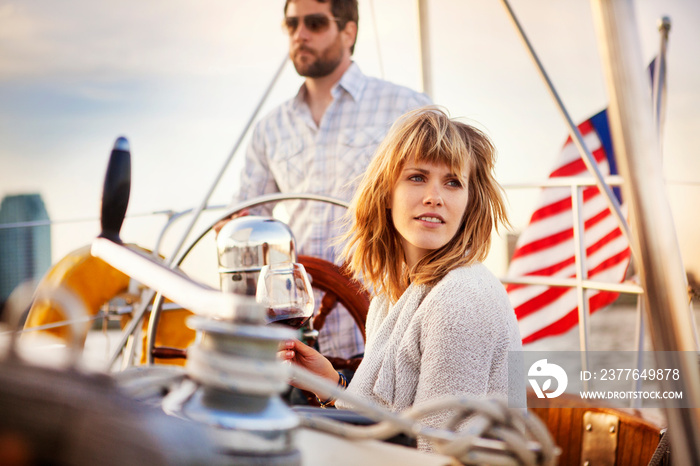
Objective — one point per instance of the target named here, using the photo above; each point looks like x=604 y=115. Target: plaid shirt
x=289 y=153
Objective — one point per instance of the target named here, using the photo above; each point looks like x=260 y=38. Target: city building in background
x=25 y=248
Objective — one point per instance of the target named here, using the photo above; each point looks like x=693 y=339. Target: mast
x=424 y=46
x=660 y=267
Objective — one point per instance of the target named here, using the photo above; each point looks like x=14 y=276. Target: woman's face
x=427 y=206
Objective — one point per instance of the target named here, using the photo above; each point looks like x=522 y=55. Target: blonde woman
x=421 y=220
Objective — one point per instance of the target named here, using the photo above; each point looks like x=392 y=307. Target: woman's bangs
x=431 y=138
x=453 y=155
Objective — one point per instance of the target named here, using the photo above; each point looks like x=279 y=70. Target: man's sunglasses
x=317 y=22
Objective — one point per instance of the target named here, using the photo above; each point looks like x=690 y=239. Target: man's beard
x=324 y=63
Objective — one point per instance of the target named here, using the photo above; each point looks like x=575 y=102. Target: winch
x=245 y=245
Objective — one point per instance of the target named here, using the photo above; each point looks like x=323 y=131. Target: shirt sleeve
x=421 y=100
x=415 y=100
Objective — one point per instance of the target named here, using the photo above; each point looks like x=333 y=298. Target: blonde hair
x=373 y=248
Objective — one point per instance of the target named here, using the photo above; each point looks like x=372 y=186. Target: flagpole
x=659 y=102
x=659 y=83
x=661 y=267
x=576 y=136
x=659 y=106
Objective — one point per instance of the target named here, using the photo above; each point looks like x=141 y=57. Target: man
x=322 y=140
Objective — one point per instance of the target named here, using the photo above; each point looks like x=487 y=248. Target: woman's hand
x=297 y=352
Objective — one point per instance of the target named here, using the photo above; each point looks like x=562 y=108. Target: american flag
x=546 y=246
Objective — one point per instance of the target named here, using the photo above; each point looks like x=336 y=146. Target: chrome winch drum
x=245 y=245
x=233 y=387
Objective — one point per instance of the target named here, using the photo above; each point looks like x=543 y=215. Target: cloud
x=18 y=28
x=112 y=39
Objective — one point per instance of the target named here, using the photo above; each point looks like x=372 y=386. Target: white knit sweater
x=449 y=339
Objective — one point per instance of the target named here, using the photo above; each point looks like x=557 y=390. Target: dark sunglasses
x=317 y=22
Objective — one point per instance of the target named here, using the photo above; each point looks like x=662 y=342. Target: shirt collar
x=299 y=98
x=353 y=82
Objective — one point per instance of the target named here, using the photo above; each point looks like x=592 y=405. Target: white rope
x=73 y=307
x=238 y=374
x=494 y=433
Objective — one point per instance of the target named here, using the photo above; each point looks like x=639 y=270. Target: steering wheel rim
x=261 y=200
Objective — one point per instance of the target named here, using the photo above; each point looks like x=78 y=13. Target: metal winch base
x=233 y=387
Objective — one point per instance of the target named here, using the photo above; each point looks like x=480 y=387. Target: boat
x=637 y=438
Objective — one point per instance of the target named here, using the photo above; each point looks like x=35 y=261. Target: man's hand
x=220 y=224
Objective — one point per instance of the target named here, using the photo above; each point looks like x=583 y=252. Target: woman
x=439 y=324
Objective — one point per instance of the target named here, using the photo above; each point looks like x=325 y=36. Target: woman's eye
x=455 y=183
x=416 y=178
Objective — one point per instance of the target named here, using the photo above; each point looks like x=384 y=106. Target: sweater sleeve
x=375 y=315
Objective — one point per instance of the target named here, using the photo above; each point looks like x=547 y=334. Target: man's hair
x=343 y=10
x=373 y=245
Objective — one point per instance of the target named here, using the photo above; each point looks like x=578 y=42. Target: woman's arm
x=466 y=332
x=303 y=355
x=457 y=350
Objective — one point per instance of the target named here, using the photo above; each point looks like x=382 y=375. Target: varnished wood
x=637 y=437
x=328 y=303
x=330 y=278
x=167 y=352
x=342 y=363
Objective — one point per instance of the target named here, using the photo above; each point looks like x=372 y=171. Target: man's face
x=315 y=53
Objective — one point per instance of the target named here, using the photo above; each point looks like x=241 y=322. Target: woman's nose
x=433 y=195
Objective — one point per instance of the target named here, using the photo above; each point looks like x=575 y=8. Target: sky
x=180 y=79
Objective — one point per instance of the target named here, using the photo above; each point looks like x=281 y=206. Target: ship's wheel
x=335 y=285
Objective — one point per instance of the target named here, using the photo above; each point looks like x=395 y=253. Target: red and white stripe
x=546 y=248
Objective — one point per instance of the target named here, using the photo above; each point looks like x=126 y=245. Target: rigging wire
x=52 y=325
x=48 y=222
x=376 y=40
